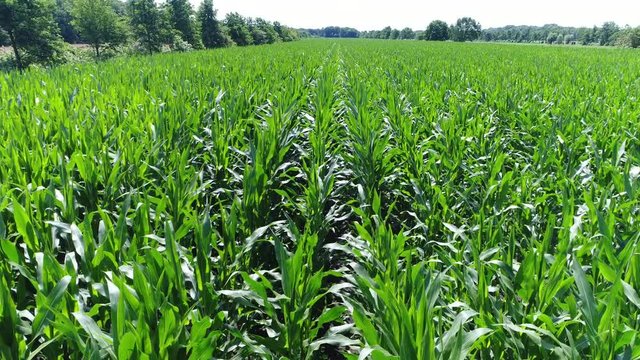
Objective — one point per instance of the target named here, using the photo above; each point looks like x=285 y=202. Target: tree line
x=37 y=30
x=465 y=29
x=609 y=34
x=330 y=32
x=391 y=34
x=469 y=29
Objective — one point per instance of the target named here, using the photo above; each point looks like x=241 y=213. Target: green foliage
x=98 y=23
x=385 y=33
x=146 y=24
x=323 y=200
x=628 y=37
x=32 y=31
x=407 y=34
x=285 y=34
x=4 y=38
x=238 y=28
x=333 y=32
x=568 y=39
x=437 y=30
x=466 y=29
x=64 y=19
x=180 y=14
x=606 y=33
x=263 y=32
x=210 y=27
x=540 y=34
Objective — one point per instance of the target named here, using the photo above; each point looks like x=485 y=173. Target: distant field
x=324 y=200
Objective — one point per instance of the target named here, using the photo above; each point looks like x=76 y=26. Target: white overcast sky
x=376 y=14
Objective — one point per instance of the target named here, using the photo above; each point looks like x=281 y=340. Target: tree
x=385 y=33
x=119 y=7
x=466 y=29
x=238 y=29
x=262 y=31
x=98 y=23
x=607 y=31
x=270 y=34
x=336 y=32
x=369 y=34
x=145 y=22
x=63 y=18
x=331 y=32
x=181 y=11
x=395 y=34
x=569 y=39
x=168 y=34
x=594 y=34
x=437 y=30
x=540 y=34
x=210 y=29
x=259 y=37
x=347 y=32
x=284 y=32
x=628 y=37
x=586 y=38
x=407 y=34
x=32 y=31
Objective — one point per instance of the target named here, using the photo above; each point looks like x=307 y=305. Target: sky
x=376 y=14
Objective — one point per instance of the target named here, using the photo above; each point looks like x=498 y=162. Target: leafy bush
x=629 y=38
x=180 y=45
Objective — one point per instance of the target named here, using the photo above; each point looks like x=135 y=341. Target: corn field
x=324 y=200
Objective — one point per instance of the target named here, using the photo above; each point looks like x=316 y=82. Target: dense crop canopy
x=323 y=199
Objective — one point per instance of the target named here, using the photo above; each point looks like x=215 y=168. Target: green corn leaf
x=369 y=332
x=45 y=314
x=24 y=226
x=631 y=293
x=589 y=308
x=127 y=347
x=9 y=251
x=104 y=341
